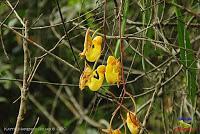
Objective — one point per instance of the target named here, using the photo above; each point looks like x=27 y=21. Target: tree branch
x=24 y=89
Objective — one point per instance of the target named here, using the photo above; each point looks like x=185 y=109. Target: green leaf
x=123 y=27
x=149 y=33
x=187 y=57
x=191 y=71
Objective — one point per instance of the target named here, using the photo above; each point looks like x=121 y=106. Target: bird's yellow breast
x=93 y=53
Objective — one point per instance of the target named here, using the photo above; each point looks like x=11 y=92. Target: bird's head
x=101 y=69
x=97 y=41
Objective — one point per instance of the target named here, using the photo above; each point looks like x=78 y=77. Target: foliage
x=154 y=77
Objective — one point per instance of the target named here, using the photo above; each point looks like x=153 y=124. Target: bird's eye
x=92 y=45
x=96 y=76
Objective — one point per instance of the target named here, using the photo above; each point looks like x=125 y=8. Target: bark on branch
x=25 y=87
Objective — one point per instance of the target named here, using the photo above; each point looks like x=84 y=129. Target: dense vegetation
x=156 y=46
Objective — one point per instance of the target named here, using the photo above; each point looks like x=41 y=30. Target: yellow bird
x=87 y=43
x=97 y=78
x=85 y=76
x=132 y=123
x=113 y=70
x=92 y=78
x=92 y=47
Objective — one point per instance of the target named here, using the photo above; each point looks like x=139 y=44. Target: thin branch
x=74 y=106
x=41 y=82
x=16 y=14
x=163 y=24
x=1 y=34
x=35 y=125
x=197 y=15
x=104 y=24
x=140 y=76
x=45 y=112
x=67 y=36
x=2 y=43
x=10 y=13
x=158 y=85
x=24 y=89
x=58 y=24
x=70 y=96
x=131 y=36
x=143 y=106
x=163 y=115
x=41 y=48
x=193 y=109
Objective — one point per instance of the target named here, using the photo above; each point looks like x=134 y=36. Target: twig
x=60 y=40
x=70 y=96
x=55 y=101
x=140 y=76
x=143 y=106
x=104 y=24
x=142 y=55
x=45 y=112
x=195 y=39
x=24 y=89
x=2 y=43
x=130 y=36
x=1 y=34
x=79 y=109
x=191 y=25
x=35 y=125
x=151 y=103
x=63 y=41
x=122 y=26
x=67 y=36
x=58 y=24
x=61 y=97
x=17 y=99
x=34 y=69
x=145 y=93
x=41 y=82
x=16 y=14
x=121 y=45
x=172 y=77
x=128 y=82
x=193 y=109
x=197 y=15
x=163 y=115
x=10 y=13
x=77 y=113
x=41 y=48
